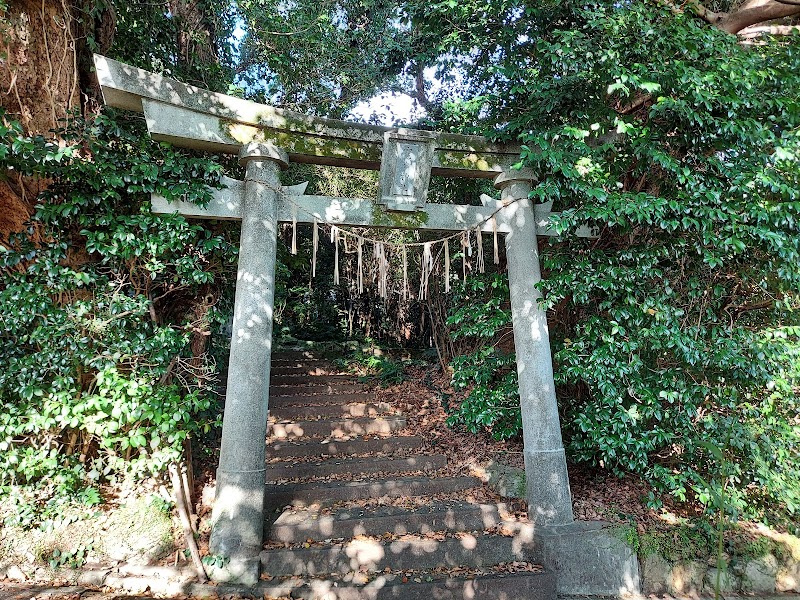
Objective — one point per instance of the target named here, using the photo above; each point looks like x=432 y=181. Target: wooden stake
x=186 y=524
x=187 y=479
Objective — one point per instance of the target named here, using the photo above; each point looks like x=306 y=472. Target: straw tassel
x=427 y=267
x=464 y=243
x=496 y=246
x=479 y=244
x=383 y=270
x=447 y=266
x=315 y=243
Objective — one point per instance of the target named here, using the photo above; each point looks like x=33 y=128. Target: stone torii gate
x=266 y=140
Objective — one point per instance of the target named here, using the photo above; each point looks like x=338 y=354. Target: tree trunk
x=39 y=82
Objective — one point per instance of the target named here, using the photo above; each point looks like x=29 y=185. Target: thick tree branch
x=419 y=93
x=755 y=31
x=749 y=14
x=754 y=12
x=704 y=13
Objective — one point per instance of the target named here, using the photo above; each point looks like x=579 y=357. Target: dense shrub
x=480 y=320
x=677 y=330
x=98 y=378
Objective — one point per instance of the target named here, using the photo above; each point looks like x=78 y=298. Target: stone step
x=308 y=380
x=316 y=388
x=338 y=491
x=351 y=409
x=305 y=449
x=409 y=552
x=300 y=524
x=281 y=358
x=325 y=396
x=334 y=428
x=293 y=370
x=279 y=355
x=338 y=466
x=530 y=586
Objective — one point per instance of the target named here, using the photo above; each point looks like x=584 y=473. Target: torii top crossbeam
x=192 y=117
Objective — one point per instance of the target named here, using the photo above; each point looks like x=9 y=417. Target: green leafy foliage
x=97 y=377
x=678 y=327
x=378 y=367
x=479 y=318
x=73 y=559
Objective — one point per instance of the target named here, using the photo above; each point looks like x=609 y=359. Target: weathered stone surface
x=135 y=585
x=759 y=574
x=687 y=578
x=325 y=397
x=92 y=577
x=280 y=495
x=312 y=380
x=302 y=449
x=14 y=573
x=530 y=586
x=354 y=409
x=416 y=553
x=178 y=573
x=655 y=574
x=788 y=578
x=728 y=581
x=548 y=493
x=507 y=481
x=588 y=558
x=200 y=119
x=335 y=428
x=238 y=519
x=310 y=470
x=301 y=524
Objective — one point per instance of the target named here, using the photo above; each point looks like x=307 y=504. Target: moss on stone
x=382 y=217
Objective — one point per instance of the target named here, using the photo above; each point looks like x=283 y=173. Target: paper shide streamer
x=426 y=269
x=314 y=245
x=380 y=265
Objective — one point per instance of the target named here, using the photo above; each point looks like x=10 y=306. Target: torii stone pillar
x=238 y=519
x=547 y=483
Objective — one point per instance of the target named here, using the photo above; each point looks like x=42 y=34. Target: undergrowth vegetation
x=101 y=375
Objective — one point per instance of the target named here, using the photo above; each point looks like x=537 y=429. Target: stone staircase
x=357 y=509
